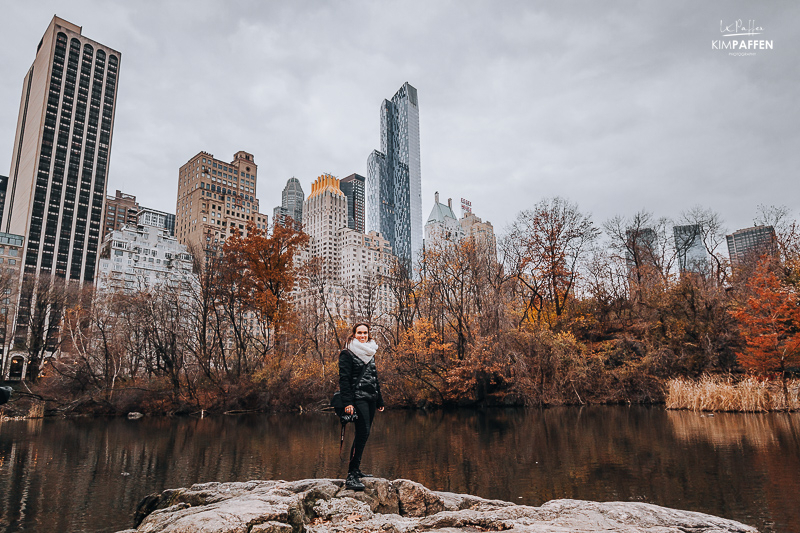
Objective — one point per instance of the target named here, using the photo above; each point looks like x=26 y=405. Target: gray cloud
x=617 y=107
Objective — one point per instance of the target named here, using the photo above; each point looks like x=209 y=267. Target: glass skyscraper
x=394 y=177
x=292 y=199
x=291 y=206
x=353 y=187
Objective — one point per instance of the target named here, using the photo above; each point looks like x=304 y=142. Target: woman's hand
x=349 y=409
x=381 y=409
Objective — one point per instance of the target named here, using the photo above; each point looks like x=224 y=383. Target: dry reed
x=749 y=395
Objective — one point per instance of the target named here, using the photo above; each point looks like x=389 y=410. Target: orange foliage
x=770 y=324
x=420 y=364
x=266 y=262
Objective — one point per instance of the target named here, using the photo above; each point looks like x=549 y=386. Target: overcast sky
x=617 y=106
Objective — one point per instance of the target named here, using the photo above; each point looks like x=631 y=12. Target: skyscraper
x=353 y=265
x=692 y=254
x=394 y=179
x=3 y=186
x=750 y=243
x=292 y=199
x=59 y=166
x=353 y=187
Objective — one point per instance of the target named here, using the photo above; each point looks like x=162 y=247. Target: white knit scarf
x=363 y=350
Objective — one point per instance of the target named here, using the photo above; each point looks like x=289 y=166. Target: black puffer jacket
x=369 y=389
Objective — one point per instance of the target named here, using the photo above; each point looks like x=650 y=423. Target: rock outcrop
x=399 y=506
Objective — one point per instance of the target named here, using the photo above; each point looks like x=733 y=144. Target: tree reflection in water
x=89 y=474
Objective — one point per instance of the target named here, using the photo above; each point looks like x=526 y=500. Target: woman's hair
x=353 y=332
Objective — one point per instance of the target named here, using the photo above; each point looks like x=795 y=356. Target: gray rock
x=399 y=506
x=135 y=415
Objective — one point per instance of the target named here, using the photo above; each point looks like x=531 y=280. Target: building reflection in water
x=89 y=474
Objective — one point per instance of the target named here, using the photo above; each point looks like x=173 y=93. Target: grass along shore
x=716 y=393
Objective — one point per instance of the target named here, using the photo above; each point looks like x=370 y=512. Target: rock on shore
x=399 y=506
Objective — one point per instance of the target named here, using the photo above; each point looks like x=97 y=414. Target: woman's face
x=362 y=333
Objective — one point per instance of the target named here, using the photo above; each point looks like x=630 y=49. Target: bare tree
x=711 y=234
x=551 y=239
x=42 y=302
x=646 y=246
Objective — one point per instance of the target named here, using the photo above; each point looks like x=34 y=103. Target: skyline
x=539 y=102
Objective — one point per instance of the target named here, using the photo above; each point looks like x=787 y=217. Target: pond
x=89 y=474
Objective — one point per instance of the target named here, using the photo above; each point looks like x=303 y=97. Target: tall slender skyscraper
x=394 y=179
x=59 y=166
x=292 y=199
x=290 y=212
x=353 y=187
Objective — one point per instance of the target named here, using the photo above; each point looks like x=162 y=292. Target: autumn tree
x=770 y=324
x=267 y=262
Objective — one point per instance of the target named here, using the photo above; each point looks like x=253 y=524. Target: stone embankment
x=399 y=506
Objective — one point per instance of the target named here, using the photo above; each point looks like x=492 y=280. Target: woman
x=359 y=396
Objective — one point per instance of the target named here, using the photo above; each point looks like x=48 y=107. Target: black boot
x=353 y=483
x=359 y=474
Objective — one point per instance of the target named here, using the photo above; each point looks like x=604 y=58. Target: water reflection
x=88 y=475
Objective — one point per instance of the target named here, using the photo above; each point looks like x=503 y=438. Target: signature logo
x=737 y=38
x=740 y=27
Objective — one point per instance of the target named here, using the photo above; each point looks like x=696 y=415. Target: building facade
x=394 y=177
x=692 y=254
x=349 y=278
x=354 y=187
x=3 y=186
x=325 y=212
x=442 y=224
x=216 y=199
x=11 y=248
x=482 y=233
x=121 y=210
x=292 y=199
x=749 y=243
x=144 y=257
x=290 y=212
x=365 y=262
x=59 y=166
x=167 y=219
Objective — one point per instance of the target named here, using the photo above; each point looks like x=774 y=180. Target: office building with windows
x=3 y=185
x=692 y=253
x=143 y=257
x=442 y=224
x=350 y=278
x=121 y=210
x=216 y=199
x=750 y=243
x=291 y=209
x=353 y=187
x=324 y=212
x=11 y=247
x=59 y=165
x=394 y=177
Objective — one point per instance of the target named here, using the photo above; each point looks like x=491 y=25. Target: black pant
x=366 y=413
